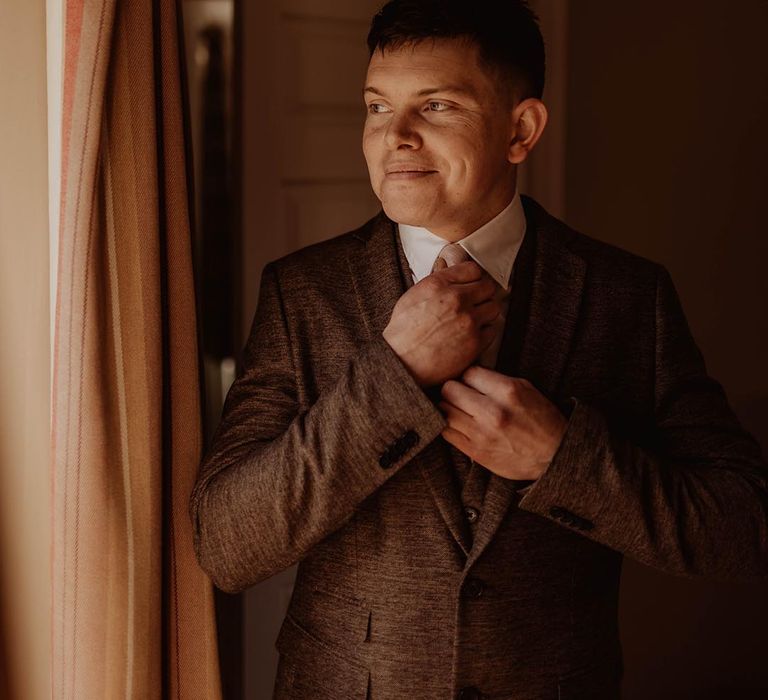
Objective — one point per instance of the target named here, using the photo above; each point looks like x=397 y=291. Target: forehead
x=439 y=61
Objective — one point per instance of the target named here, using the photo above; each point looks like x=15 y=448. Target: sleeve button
x=410 y=438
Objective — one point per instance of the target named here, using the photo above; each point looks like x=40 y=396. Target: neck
x=455 y=233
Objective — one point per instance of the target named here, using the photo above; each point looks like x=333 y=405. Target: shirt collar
x=493 y=246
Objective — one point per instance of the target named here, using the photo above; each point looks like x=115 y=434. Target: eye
x=435 y=106
x=376 y=108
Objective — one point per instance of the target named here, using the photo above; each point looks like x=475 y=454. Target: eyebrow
x=455 y=89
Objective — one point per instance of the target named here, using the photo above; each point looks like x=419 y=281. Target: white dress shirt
x=493 y=246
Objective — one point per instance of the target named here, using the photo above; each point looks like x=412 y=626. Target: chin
x=406 y=212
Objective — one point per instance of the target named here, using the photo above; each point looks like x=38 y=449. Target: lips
x=401 y=168
x=407 y=172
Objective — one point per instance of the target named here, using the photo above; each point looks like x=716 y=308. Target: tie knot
x=450 y=254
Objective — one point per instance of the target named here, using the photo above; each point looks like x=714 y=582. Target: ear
x=529 y=118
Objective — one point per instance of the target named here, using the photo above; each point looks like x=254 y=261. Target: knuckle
x=522 y=385
x=449 y=298
x=454 y=299
x=465 y=322
x=498 y=416
x=467 y=325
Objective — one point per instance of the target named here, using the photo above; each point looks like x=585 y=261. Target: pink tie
x=451 y=254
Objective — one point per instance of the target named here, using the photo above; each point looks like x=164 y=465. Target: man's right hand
x=442 y=323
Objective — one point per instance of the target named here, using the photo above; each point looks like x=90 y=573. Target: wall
x=667 y=156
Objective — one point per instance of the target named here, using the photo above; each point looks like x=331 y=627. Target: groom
x=461 y=416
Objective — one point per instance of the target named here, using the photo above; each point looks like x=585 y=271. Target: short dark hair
x=506 y=32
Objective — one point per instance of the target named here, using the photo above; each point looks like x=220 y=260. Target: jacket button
x=557 y=512
x=469 y=693
x=410 y=438
x=473 y=587
x=471 y=513
x=396 y=450
x=565 y=516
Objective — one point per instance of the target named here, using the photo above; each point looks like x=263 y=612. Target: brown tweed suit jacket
x=329 y=453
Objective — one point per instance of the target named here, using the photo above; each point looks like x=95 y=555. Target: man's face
x=437 y=136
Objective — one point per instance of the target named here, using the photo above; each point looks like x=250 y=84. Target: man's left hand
x=503 y=423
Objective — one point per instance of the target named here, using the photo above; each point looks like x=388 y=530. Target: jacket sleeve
x=696 y=504
x=279 y=477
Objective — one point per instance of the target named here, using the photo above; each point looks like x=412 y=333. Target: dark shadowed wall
x=667 y=156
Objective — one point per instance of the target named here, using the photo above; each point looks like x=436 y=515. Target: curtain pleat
x=133 y=614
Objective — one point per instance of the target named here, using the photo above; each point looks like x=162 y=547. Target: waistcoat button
x=471 y=513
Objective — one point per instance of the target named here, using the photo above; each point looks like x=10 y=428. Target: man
x=460 y=417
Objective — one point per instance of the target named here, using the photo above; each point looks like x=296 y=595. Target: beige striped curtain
x=133 y=614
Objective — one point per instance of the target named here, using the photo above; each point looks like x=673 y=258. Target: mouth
x=407 y=173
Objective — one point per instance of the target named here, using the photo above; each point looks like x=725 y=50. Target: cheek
x=465 y=164
x=479 y=162
x=366 y=142
x=371 y=147
x=463 y=149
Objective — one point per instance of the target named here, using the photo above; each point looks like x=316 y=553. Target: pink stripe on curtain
x=133 y=613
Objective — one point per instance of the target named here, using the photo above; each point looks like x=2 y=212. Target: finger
x=487 y=335
x=457 y=439
x=486 y=312
x=465 y=398
x=457 y=419
x=479 y=291
x=471 y=293
x=476 y=286
x=465 y=271
x=476 y=291
x=492 y=384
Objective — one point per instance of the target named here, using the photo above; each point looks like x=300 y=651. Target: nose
x=402 y=132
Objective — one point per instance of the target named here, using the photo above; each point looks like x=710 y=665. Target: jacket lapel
x=376 y=275
x=380 y=277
